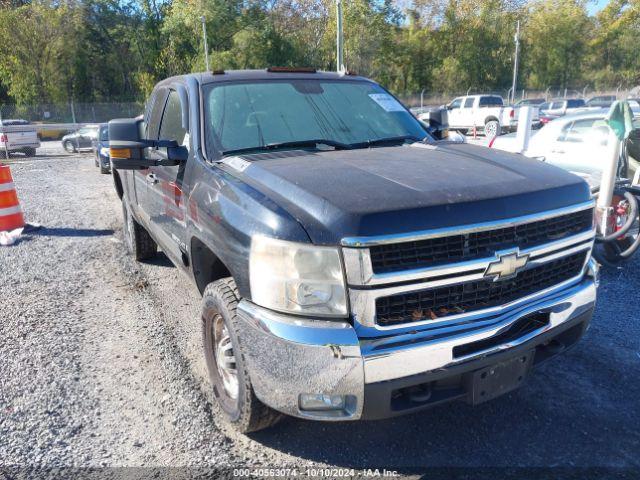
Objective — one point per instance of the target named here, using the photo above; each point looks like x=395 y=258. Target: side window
x=156 y=106
x=456 y=103
x=577 y=132
x=171 y=125
x=468 y=103
x=491 y=102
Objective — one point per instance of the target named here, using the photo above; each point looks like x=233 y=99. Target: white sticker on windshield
x=387 y=102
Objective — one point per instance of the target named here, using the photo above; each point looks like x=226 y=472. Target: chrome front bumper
x=288 y=356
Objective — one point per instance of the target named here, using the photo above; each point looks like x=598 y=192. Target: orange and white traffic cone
x=11 y=218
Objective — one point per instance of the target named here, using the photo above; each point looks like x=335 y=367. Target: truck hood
x=394 y=190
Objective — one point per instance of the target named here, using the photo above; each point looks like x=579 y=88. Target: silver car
x=577 y=143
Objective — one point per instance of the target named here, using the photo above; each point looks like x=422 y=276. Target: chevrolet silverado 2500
x=350 y=265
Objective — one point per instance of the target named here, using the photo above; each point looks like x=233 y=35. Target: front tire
x=139 y=242
x=228 y=373
x=68 y=146
x=492 y=128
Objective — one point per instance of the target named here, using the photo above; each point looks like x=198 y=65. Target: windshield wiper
x=386 y=141
x=292 y=144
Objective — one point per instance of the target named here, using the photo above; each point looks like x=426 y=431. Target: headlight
x=297 y=277
x=104 y=151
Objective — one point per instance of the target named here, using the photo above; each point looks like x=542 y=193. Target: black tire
x=244 y=412
x=29 y=152
x=104 y=171
x=68 y=146
x=3 y=153
x=138 y=241
x=96 y=161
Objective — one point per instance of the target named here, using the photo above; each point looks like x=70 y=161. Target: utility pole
x=204 y=40
x=339 y=39
x=515 y=63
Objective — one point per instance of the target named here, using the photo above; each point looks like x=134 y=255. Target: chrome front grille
x=432 y=291
x=455 y=248
x=441 y=302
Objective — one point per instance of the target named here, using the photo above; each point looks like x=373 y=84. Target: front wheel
x=228 y=373
x=139 y=242
x=492 y=128
x=68 y=146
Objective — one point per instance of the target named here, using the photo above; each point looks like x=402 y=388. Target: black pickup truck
x=351 y=265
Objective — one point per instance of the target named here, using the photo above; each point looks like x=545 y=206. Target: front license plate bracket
x=495 y=380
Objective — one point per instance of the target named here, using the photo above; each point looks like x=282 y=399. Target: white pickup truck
x=485 y=112
x=18 y=136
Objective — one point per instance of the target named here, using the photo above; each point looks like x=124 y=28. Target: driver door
x=455 y=113
x=165 y=184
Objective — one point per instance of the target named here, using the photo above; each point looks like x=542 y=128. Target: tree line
x=53 y=51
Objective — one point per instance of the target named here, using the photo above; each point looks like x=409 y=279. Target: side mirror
x=126 y=147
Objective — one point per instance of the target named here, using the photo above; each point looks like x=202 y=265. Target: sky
x=595 y=6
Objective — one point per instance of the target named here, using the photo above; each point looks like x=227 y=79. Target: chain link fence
x=73 y=113
x=427 y=98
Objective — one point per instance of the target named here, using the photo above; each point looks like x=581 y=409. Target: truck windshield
x=243 y=116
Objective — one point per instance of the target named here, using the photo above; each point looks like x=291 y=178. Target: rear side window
x=171 y=125
x=491 y=101
x=578 y=131
x=575 y=103
x=468 y=103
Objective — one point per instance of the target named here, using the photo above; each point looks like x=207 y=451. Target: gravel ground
x=101 y=365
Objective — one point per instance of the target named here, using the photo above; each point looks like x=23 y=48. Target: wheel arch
x=491 y=118
x=206 y=265
x=117 y=182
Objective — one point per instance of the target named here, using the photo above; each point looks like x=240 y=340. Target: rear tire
x=29 y=152
x=492 y=128
x=3 y=153
x=139 y=242
x=228 y=373
x=104 y=171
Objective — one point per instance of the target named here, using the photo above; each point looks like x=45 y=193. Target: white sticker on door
x=387 y=102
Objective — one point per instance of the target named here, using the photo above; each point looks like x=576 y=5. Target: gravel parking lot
x=101 y=365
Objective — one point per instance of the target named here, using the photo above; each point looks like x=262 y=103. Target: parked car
x=17 y=135
x=561 y=106
x=350 y=265
x=546 y=118
x=485 y=112
x=533 y=102
x=101 y=149
x=601 y=101
x=577 y=143
x=81 y=139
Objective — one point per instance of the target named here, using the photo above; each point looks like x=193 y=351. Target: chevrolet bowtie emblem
x=507 y=266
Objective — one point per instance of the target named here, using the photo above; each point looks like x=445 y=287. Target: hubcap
x=491 y=129
x=225 y=358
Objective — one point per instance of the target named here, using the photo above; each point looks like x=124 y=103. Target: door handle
x=152 y=179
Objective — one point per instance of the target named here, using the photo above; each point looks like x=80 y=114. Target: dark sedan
x=81 y=139
x=101 y=149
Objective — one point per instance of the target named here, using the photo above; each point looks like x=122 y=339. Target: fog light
x=319 y=401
